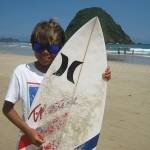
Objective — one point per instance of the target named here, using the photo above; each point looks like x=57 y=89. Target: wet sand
x=126 y=124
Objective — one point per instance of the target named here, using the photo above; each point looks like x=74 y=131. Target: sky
x=18 y=17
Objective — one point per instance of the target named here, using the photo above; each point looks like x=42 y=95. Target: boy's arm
x=34 y=137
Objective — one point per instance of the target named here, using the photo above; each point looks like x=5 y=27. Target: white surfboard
x=69 y=105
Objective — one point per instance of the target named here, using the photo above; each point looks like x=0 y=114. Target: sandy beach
x=126 y=124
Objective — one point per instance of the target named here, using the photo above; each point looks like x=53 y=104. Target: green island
x=113 y=33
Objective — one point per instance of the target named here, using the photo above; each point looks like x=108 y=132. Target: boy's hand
x=35 y=137
x=107 y=74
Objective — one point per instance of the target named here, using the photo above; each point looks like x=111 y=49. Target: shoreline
x=130 y=59
x=126 y=118
x=124 y=58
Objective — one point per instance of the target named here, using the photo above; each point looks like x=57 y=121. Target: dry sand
x=126 y=123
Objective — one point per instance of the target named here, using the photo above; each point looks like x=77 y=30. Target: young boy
x=47 y=39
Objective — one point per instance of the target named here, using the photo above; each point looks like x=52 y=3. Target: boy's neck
x=40 y=67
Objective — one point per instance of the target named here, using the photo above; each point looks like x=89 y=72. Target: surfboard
x=69 y=105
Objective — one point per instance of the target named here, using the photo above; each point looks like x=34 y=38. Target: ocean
x=133 y=53
x=21 y=48
x=129 y=53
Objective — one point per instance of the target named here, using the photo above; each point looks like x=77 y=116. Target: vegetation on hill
x=9 y=40
x=113 y=33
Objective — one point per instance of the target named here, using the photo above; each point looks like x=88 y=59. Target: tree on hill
x=113 y=33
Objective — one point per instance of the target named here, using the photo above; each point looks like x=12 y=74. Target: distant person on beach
x=47 y=39
x=132 y=51
x=118 y=50
x=125 y=51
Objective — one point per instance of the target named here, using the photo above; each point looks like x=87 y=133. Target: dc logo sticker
x=70 y=70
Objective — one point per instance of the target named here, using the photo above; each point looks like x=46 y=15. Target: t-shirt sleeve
x=13 y=89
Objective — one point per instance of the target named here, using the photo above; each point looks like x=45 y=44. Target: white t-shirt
x=23 y=86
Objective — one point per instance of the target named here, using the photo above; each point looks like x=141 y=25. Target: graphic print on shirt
x=32 y=90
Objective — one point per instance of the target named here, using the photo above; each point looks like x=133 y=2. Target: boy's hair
x=48 y=32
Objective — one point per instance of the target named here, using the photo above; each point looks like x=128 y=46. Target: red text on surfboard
x=37 y=112
x=57 y=123
x=50 y=146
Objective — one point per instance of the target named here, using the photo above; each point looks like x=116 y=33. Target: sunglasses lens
x=38 y=47
x=54 y=48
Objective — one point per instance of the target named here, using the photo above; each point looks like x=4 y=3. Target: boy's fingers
x=106 y=76
x=41 y=138
x=108 y=68
x=39 y=142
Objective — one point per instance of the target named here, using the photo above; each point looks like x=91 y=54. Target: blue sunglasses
x=39 y=47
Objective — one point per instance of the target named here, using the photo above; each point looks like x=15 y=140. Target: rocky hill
x=113 y=33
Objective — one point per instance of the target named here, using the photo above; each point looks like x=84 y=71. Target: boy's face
x=45 y=58
x=45 y=53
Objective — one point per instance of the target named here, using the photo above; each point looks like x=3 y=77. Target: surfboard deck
x=69 y=105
